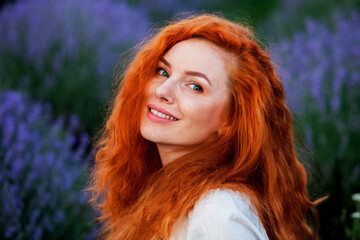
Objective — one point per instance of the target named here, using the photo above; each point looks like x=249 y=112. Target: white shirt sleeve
x=221 y=214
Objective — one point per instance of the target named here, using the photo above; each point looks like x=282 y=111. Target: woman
x=199 y=142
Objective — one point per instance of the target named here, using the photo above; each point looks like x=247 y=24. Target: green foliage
x=354 y=233
x=256 y=10
x=288 y=16
x=73 y=89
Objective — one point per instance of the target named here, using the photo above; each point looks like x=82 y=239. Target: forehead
x=199 y=55
x=196 y=46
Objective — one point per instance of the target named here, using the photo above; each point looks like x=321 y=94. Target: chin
x=155 y=138
x=150 y=133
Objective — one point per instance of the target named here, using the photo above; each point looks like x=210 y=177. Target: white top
x=221 y=214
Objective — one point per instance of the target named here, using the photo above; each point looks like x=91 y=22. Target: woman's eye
x=164 y=73
x=196 y=87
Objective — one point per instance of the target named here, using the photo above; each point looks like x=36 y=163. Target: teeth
x=162 y=115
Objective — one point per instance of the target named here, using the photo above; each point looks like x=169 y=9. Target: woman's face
x=187 y=97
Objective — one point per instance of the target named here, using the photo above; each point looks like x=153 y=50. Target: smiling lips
x=160 y=114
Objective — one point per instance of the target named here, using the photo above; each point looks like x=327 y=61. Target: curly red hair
x=255 y=155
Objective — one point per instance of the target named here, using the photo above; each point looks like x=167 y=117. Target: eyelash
x=195 y=84
x=161 y=69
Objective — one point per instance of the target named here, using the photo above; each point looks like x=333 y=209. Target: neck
x=169 y=153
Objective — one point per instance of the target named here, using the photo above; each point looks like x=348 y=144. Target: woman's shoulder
x=225 y=198
x=222 y=214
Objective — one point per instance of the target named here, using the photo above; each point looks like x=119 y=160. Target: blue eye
x=162 y=72
x=196 y=87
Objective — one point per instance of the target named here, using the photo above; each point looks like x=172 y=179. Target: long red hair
x=141 y=199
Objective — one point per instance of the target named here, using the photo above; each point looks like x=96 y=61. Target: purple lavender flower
x=319 y=64
x=39 y=168
x=65 y=51
x=320 y=68
x=38 y=27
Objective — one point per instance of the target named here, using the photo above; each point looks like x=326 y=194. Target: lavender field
x=57 y=62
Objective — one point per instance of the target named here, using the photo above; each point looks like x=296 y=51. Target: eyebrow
x=192 y=73
x=198 y=74
x=165 y=62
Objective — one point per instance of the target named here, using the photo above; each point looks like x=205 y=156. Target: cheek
x=151 y=87
x=207 y=116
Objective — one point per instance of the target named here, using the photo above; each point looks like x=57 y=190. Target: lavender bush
x=320 y=68
x=41 y=173
x=64 y=51
x=289 y=15
x=160 y=10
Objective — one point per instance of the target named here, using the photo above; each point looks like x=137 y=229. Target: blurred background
x=57 y=63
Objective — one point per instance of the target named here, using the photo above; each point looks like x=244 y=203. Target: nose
x=165 y=91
